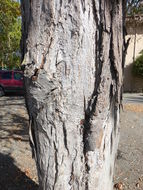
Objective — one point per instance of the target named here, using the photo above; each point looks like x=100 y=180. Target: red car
x=11 y=81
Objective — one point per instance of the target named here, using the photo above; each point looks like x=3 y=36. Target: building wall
x=135 y=32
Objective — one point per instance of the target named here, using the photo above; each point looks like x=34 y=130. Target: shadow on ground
x=13 y=119
x=11 y=178
x=20 y=132
x=17 y=168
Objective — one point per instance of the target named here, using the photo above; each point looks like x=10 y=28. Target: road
x=133 y=98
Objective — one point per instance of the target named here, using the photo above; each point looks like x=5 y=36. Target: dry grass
x=133 y=107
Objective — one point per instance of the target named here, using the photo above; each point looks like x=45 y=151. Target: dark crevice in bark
x=43 y=6
x=91 y=108
x=37 y=70
x=104 y=146
x=32 y=138
x=65 y=137
x=95 y=13
x=113 y=67
x=83 y=5
x=125 y=44
x=111 y=143
x=115 y=88
x=115 y=120
x=61 y=1
x=105 y=28
x=86 y=185
x=31 y=66
x=111 y=94
x=56 y=166
x=87 y=169
x=113 y=108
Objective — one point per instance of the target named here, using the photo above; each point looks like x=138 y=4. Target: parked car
x=11 y=81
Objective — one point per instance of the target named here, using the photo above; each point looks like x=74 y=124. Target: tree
x=10 y=33
x=138 y=65
x=73 y=57
x=134 y=7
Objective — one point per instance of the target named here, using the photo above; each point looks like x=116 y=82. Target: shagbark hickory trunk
x=73 y=59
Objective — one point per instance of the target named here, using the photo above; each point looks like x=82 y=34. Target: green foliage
x=138 y=66
x=10 y=33
x=134 y=7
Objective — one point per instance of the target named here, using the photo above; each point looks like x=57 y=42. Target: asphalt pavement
x=133 y=98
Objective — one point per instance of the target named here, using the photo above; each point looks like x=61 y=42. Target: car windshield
x=6 y=75
x=18 y=76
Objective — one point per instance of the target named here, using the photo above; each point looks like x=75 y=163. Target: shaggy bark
x=73 y=53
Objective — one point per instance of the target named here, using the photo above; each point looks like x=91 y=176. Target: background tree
x=73 y=57
x=134 y=7
x=10 y=33
x=138 y=65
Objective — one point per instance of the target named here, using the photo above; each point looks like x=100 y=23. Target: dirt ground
x=17 y=168
x=129 y=163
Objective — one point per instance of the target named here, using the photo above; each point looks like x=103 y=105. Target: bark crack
x=95 y=12
x=91 y=108
x=113 y=66
x=37 y=70
x=32 y=139
x=65 y=137
x=83 y=5
x=56 y=166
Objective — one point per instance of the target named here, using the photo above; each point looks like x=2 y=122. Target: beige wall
x=133 y=83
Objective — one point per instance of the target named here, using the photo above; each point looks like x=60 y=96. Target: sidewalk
x=133 y=98
x=129 y=164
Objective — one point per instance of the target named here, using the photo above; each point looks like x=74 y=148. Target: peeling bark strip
x=73 y=57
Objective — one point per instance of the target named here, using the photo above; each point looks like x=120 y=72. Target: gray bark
x=72 y=58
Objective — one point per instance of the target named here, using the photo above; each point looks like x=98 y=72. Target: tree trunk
x=73 y=60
